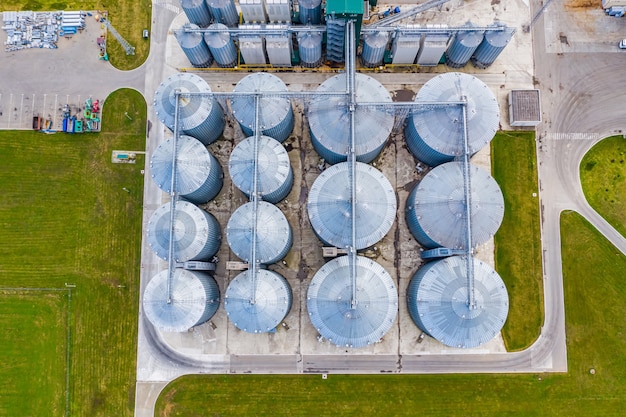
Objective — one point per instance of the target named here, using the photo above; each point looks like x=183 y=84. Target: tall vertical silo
x=436 y=207
x=269 y=307
x=194 y=299
x=329 y=206
x=438 y=302
x=349 y=324
x=462 y=48
x=310 y=49
x=374 y=48
x=276 y=118
x=198 y=116
x=434 y=135
x=273 y=233
x=492 y=45
x=197 y=234
x=197 y=12
x=199 y=176
x=221 y=46
x=194 y=47
x=329 y=120
x=275 y=176
x=224 y=11
x=310 y=12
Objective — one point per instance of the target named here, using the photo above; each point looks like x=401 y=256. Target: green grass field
x=128 y=17
x=66 y=219
x=603 y=177
x=595 y=303
x=33 y=343
x=517 y=242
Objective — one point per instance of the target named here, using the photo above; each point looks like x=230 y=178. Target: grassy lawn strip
x=33 y=342
x=517 y=242
x=128 y=17
x=603 y=177
x=595 y=305
x=68 y=219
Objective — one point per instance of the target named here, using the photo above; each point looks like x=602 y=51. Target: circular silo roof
x=438 y=294
x=196 y=232
x=194 y=165
x=273 y=109
x=329 y=206
x=441 y=128
x=272 y=301
x=332 y=313
x=273 y=233
x=195 y=298
x=329 y=118
x=274 y=168
x=438 y=202
x=192 y=110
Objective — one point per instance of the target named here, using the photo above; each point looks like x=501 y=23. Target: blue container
x=310 y=12
x=197 y=12
x=462 y=48
x=374 y=47
x=224 y=11
x=491 y=47
x=194 y=47
x=221 y=46
x=310 y=49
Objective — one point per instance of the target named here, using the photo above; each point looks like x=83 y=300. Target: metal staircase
x=130 y=50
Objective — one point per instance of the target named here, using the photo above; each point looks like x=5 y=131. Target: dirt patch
x=583 y=4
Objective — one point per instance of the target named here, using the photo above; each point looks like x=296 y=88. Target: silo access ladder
x=130 y=50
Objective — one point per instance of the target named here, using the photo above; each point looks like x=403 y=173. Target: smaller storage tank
x=310 y=12
x=197 y=234
x=405 y=47
x=490 y=48
x=221 y=46
x=462 y=48
x=273 y=233
x=436 y=209
x=224 y=11
x=199 y=176
x=271 y=303
x=329 y=206
x=310 y=49
x=253 y=11
x=336 y=318
x=279 y=47
x=197 y=12
x=194 y=47
x=437 y=299
x=275 y=176
x=278 y=10
x=276 y=118
x=432 y=49
x=435 y=135
x=374 y=47
x=195 y=297
x=329 y=120
x=198 y=116
x=252 y=44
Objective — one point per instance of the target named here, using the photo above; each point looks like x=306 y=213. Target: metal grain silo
x=275 y=176
x=199 y=176
x=194 y=47
x=273 y=233
x=438 y=302
x=405 y=46
x=432 y=49
x=279 y=47
x=197 y=234
x=197 y=12
x=435 y=134
x=329 y=206
x=310 y=12
x=224 y=11
x=374 y=48
x=491 y=47
x=253 y=11
x=276 y=117
x=462 y=48
x=252 y=44
x=329 y=120
x=310 y=49
x=337 y=319
x=271 y=303
x=194 y=299
x=221 y=46
x=436 y=209
x=198 y=116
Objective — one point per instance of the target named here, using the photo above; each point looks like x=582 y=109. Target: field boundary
x=68 y=330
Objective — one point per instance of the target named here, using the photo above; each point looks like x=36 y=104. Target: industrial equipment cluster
x=28 y=29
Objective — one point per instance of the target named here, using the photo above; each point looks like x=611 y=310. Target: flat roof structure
x=524 y=108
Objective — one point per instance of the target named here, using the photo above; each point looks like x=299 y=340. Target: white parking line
x=10 y=110
x=32 y=109
x=21 y=110
x=54 y=110
x=43 y=112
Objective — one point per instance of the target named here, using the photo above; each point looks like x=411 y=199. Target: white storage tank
x=252 y=45
x=253 y=11
x=278 y=47
x=199 y=176
x=199 y=116
x=405 y=47
x=278 y=10
x=275 y=176
x=432 y=49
